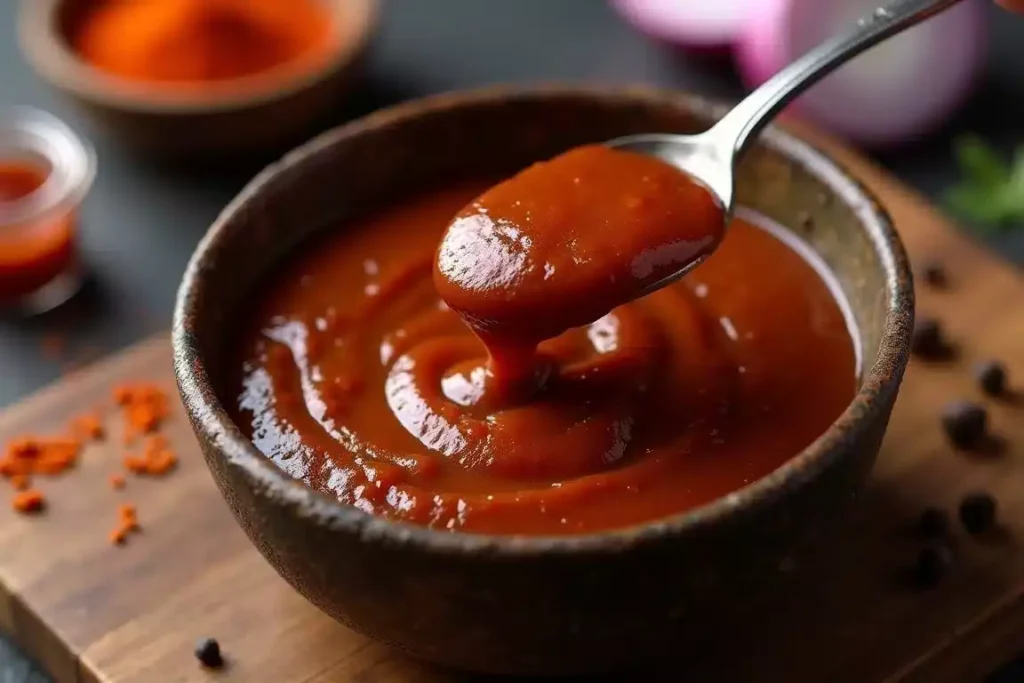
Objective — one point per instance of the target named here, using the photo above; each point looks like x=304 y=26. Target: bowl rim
x=881 y=375
x=49 y=52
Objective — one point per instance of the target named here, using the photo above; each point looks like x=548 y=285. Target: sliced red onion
x=701 y=25
x=898 y=91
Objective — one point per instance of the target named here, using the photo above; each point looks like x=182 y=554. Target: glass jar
x=45 y=172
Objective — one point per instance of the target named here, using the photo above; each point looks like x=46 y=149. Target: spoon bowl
x=700 y=158
x=698 y=155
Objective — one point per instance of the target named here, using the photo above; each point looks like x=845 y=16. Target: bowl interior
x=383 y=158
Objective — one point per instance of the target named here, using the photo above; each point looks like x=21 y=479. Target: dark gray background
x=141 y=223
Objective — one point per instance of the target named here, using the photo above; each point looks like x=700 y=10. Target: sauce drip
x=354 y=376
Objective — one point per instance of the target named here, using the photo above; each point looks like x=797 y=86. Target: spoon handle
x=745 y=120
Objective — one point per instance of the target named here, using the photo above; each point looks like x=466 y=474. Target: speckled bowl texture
x=538 y=605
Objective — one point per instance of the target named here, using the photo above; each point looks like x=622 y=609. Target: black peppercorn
x=933 y=562
x=927 y=340
x=991 y=376
x=933 y=523
x=978 y=512
x=964 y=423
x=208 y=652
x=934 y=274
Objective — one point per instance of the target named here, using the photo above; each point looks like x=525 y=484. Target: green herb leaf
x=991 y=193
x=980 y=163
x=977 y=204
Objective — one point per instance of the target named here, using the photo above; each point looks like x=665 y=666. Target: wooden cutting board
x=89 y=611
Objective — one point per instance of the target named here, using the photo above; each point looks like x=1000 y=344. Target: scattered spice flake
x=28 y=502
x=145 y=406
x=39 y=455
x=88 y=427
x=22 y=458
x=157 y=458
x=134 y=464
x=127 y=522
x=162 y=463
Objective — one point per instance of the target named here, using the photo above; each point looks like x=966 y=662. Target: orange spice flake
x=156 y=459
x=34 y=455
x=88 y=427
x=39 y=455
x=28 y=502
x=126 y=513
x=145 y=406
x=23 y=458
x=127 y=522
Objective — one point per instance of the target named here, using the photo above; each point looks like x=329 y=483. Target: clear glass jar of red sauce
x=45 y=172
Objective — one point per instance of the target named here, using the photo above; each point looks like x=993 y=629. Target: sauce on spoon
x=564 y=242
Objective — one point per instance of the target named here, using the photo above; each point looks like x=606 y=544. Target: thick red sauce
x=567 y=240
x=561 y=244
x=355 y=377
x=32 y=253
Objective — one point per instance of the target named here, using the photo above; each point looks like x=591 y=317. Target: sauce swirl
x=356 y=377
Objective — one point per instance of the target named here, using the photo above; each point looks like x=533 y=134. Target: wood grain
x=92 y=612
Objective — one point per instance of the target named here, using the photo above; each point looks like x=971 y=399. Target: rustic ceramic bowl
x=528 y=605
x=204 y=124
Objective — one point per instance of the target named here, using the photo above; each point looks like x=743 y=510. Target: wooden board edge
x=18 y=621
x=39 y=642
x=996 y=635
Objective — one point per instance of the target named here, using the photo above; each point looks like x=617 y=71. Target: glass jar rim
x=72 y=162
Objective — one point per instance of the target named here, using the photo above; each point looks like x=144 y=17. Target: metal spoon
x=710 y=157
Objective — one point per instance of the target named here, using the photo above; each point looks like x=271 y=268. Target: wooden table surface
x=141 y=223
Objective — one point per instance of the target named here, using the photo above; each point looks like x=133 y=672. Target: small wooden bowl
x=210 y=123
x=673 y=587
